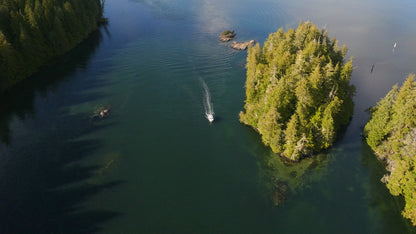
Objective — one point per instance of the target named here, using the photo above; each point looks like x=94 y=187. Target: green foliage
x=298 y=91
x=379 y=126
x=391 y=133
x=227 y=33
x=33 y=32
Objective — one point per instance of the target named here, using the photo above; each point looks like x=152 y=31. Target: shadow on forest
x=43 y=183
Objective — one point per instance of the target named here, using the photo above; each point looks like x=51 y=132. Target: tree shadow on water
x=385 y=208
x=19 y=100
x=44 y=185
x=281 y=179
x=44 y=179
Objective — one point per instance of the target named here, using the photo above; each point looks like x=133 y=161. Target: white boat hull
x=210 y=117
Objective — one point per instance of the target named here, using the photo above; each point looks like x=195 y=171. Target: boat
x=210 y=117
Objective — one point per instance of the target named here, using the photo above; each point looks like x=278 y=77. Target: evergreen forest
x=391 y=133
x=298 y=91
x=33 y=32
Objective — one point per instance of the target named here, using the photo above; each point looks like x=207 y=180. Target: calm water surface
x=156 y=165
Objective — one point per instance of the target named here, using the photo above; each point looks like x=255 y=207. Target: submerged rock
x=227 y=36
x=242 y=45
x=279 y=192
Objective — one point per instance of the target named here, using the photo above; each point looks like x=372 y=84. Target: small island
x=298 y=92
x=227 y=35
x=242 y=45
x=391 y=133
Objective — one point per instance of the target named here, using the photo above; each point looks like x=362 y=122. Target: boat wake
x=208 y=106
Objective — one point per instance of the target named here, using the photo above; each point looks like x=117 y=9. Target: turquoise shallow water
x=156 y=165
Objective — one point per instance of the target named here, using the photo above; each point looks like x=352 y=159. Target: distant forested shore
x=33 y=32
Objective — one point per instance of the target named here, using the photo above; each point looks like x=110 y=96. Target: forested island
x=391 y=133
x=33 y=32
x=298 y=92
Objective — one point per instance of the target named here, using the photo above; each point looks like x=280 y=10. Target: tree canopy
x=32 y=32
x=391 y=133
x=298 y=91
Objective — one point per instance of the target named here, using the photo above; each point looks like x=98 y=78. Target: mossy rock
x=227 y=35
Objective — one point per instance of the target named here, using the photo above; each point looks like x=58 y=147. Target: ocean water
x=155 y=164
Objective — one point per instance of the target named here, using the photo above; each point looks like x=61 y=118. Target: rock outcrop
x=227 y=36
x=101 y=113
x=242 y=45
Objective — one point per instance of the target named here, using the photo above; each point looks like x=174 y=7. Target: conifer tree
x=33 y=32
x=298 y=91
x=391 y=133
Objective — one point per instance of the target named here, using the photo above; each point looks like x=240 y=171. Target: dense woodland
x=298 y=91
x=391 y=133
x=33 y=32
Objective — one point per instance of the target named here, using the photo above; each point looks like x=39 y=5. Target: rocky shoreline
x=228 y=35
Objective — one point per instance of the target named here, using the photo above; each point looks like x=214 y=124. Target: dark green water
x=156 y=165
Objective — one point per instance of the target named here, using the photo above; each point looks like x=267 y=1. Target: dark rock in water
x=104 y=113
x=227 y=36
x=101 y=113
x=242 y=45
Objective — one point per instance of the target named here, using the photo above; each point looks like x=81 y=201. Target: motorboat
x=210 y=117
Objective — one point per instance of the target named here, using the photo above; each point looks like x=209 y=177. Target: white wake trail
x=208 y=106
